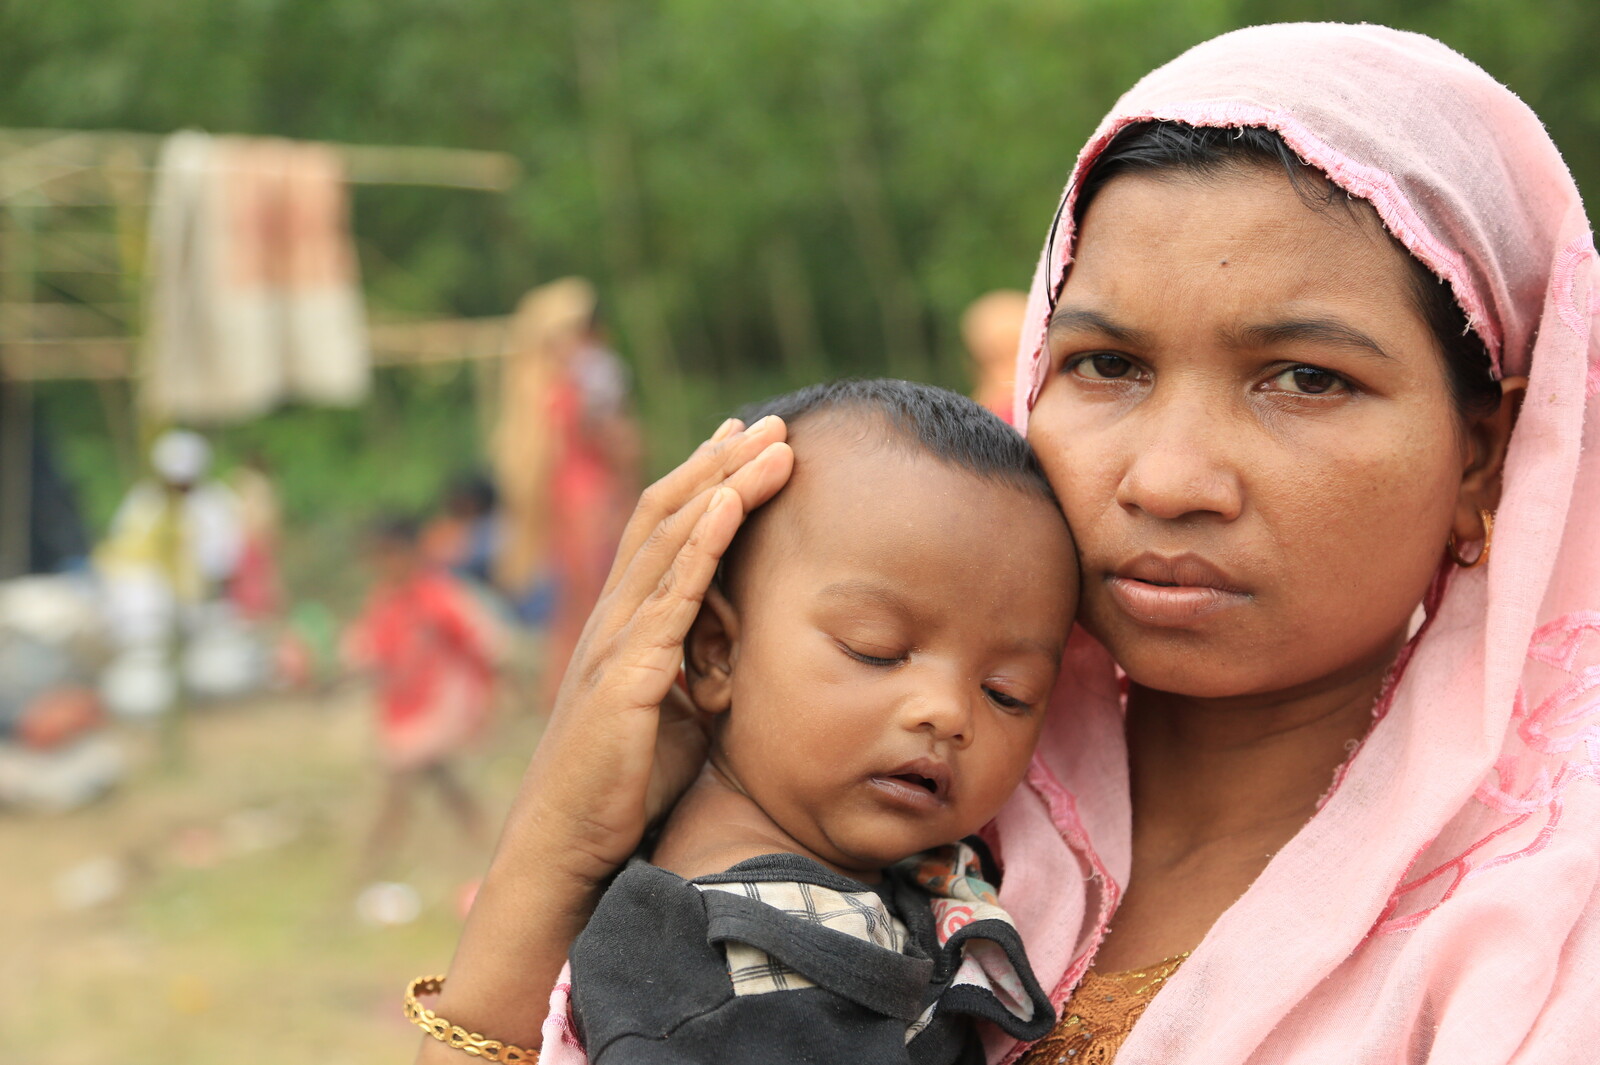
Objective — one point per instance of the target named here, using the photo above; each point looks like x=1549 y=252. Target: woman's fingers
x=751 y=485
x=730 y=448
x=666 y=614
x=649 y=644
x=759 y=479
x=632 y=645
x=637 y=576
x=662 y=621
x=610 y=758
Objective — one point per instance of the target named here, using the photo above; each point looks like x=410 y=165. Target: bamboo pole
x=794 y=311
x=624 y=233
x=31 y=157
x=862 y=188
x=113 y=358
x=16 y=408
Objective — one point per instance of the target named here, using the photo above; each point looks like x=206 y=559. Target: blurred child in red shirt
x=429 y=646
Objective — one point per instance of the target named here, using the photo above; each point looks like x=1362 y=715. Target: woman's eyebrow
x=1085 y=320
x=1313 y=330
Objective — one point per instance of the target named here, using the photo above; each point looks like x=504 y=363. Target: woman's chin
x=1197 y=663
x=1194 y=679
x=1248 y=666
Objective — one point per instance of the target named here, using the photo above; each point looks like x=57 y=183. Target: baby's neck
x=715 y=826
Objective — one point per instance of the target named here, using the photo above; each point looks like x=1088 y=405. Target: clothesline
x=95 y=263
x=392 y=344
x=81 y=334
x=31 y=158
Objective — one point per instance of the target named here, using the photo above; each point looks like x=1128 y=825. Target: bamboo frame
x=42 y=339
x=111 y=358
x=92 y=333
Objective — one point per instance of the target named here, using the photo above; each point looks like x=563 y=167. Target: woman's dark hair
x=1146 y=147
x=944 y=424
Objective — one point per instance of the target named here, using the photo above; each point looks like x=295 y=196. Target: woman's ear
x=1488 y=437
x=711 y=651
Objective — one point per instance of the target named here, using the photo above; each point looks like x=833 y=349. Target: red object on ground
x=59 y=716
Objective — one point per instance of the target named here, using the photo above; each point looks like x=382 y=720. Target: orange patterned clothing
x=1100 y=1014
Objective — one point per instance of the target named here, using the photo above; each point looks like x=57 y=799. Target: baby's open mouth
x=926 y=783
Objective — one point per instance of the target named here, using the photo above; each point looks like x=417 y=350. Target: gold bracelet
x=456 y=1036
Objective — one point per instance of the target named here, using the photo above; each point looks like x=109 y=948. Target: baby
x=876 y=657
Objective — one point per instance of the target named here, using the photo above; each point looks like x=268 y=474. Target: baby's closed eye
x=871 y=652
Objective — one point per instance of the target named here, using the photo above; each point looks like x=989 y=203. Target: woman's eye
x=1310 y=381
x=871 y=660
x=1102 y=366
x=1001 y=699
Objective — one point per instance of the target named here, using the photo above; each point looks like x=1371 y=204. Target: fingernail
x=765 y=423
x=720 y=498
x=725 y=429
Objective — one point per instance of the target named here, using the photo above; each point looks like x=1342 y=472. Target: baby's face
x=900 y=623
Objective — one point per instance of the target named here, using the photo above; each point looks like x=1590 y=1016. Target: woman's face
x=1250 y=429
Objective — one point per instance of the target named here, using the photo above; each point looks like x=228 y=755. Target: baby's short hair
x=944 y=424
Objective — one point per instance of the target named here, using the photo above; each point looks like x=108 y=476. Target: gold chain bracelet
x=456 y=1036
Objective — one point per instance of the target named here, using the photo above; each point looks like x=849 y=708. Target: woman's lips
x=1173 y=591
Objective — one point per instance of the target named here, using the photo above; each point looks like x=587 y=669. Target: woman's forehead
x=1240 y=246
x=1251 y=207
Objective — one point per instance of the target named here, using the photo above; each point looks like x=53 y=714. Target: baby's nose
x=947 y=715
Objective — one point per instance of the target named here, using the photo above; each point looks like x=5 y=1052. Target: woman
x=566 y=460
x=1349 y=800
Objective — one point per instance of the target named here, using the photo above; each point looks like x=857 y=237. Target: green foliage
x=766 y=193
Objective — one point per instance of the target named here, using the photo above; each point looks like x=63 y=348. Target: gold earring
x=1488 y=539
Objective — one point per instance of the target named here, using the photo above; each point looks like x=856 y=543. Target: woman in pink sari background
x=1317 y=416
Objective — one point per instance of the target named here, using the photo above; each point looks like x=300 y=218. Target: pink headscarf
x=1444 y=903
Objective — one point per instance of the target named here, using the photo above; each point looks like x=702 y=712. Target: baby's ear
x=711 y=651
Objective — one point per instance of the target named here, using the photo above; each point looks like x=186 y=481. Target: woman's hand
x=621 y=744
x=613 y=757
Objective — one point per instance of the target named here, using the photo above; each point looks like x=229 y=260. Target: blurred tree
x=766 y=193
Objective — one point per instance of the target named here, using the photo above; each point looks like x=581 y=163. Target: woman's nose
x=1178 y=462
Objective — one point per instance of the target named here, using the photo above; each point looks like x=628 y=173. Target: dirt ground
x=209 y=915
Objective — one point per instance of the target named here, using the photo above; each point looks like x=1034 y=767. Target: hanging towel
x=254 y=297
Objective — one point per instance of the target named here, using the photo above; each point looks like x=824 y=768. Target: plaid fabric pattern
x=915 y=1028
x=755 y=972
x=860 y=914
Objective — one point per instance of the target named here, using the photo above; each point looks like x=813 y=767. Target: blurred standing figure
x=430 y=651
x=567 y=457
x=179 y=534
x=990 y=328
x=166 y=566
x=255 y=588
x=465 y=535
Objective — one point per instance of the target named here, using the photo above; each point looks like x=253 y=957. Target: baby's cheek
x=1009 y=763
